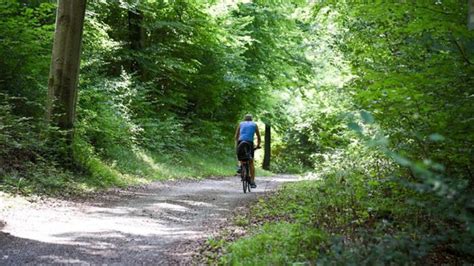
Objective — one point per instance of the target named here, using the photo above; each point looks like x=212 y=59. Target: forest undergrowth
x=337 y=214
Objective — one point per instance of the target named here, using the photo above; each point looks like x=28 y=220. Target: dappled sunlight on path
x=152 y=226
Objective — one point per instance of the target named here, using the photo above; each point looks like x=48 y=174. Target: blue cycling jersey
x=247 y=130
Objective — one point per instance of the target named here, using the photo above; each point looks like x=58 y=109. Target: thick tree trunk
x=470 y=18
x=267 y=148
x=65 y=62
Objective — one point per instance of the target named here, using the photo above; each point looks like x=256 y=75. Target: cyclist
x=245 y=132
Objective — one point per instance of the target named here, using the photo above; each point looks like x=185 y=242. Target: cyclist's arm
x=258 y=136
x=237 y=135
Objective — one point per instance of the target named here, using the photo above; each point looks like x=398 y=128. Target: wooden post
x=65 y=63
x=267 y=147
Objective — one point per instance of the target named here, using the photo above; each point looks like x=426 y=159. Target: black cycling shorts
x=252 y=150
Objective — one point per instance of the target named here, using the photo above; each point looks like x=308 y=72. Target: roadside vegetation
x=305 y=223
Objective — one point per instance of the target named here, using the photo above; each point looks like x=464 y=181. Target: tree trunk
x=470 y=18
x=65 y=62
x=136 y=35
x=267 y=148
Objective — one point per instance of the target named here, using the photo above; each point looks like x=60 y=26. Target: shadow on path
x=144 y=229
x=104 y=248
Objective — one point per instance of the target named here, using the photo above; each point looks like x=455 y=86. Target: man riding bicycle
x=245 y=132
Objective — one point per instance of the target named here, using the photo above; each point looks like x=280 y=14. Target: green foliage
x=418 y=78
x=23 y=75
x=277 y=244
x=345 y=219
x=17 y=136
x=25 y=54
x=147 y=101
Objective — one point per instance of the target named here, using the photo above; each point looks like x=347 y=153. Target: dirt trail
x=160 y=224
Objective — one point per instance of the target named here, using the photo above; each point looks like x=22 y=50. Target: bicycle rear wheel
x=244 y=178
x=247 y=176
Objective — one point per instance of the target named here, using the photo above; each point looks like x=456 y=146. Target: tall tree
x=65 y=62
x=267 y=147
x=136 y=35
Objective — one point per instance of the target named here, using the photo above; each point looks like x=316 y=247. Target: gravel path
x=161 y=223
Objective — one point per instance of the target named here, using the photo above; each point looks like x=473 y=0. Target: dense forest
x=373 y=102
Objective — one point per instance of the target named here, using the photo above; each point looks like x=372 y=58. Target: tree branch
x=463 y=53
x=434 y=10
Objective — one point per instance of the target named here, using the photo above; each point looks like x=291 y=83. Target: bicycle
x=245 y=175
x=245 y=159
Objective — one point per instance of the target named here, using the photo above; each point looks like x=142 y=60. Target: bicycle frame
x=245 y=175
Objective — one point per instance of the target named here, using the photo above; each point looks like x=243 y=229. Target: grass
x=276 y=244
x=280 y=231
x=183 y=165
x=118 y=167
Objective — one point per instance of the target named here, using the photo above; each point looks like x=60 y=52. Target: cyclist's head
x=248 y=117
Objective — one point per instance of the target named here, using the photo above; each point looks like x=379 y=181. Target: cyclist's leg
x=252 y=166
x=239 y=163
x=239 y=167
x=252 y=171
